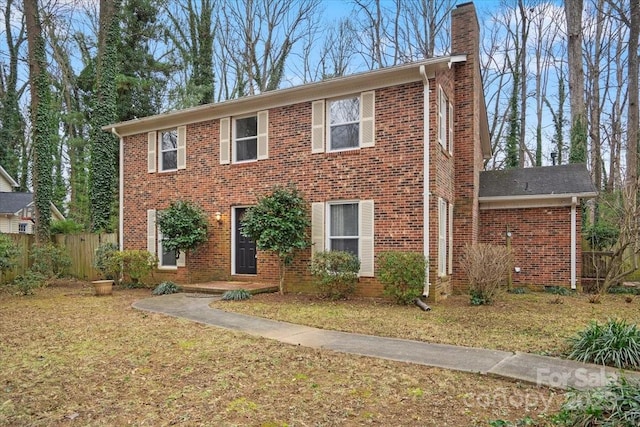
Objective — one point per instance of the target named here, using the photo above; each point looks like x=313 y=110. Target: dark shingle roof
x=540 y=181
x=10 y=203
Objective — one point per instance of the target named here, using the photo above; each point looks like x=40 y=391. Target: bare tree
x=573 y=11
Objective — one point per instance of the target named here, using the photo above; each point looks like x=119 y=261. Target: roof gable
x=546 y=181
x=12 y=203
x=4 y=175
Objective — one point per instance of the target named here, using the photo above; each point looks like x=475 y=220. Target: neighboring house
x=387 y=160
x=16 y=208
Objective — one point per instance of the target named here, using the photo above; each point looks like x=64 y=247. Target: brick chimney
x=468 y=156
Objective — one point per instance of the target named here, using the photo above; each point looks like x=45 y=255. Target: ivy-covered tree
x=278 y=223
x=43 y=126
x=104 y=147
x=183 y=226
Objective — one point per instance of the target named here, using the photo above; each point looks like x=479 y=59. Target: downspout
x=425 y=177
x=120 y=191
x=574 y=203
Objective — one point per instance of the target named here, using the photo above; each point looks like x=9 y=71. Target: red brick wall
x=390 y=173
x=540 y=241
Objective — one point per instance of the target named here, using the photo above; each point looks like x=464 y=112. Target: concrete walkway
x=541 y=370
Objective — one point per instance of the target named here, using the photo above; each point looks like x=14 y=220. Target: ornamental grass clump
x=615 y=343
x=335 y=273
x=236 y=295
x=165 y=288
x=487 y=268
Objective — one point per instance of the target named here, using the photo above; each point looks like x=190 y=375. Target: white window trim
x=161 y=151
x=234 y=139
x=159 y=255
x=328 y=216
x=442 y=237
x=328 y=124
x=450 y=128
x=450 y=251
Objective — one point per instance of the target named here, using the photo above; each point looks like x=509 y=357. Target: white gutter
x=120 y=191
x=425 y=177
x=574 y=202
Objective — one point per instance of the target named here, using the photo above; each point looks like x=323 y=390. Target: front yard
x=533 y=322
x=70 y=358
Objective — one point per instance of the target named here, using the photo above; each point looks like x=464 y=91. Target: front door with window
x=245 y=250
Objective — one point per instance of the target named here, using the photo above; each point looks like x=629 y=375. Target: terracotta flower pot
x=102 y=287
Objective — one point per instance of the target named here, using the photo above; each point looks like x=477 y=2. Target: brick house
x=387 y=160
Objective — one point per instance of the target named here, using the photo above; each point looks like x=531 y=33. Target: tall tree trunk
x=573 y=12
x=41 y=119
x=632 y=116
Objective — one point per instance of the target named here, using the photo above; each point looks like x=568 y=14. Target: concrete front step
x=222 y=287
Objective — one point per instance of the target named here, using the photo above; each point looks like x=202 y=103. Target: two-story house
x=388 y=160
x=17 y=208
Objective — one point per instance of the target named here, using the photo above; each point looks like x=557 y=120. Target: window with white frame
x=167 y=258
x=443 y=106
x=245 y=139
x=23 y=227
x=168 y=156
x=344 y=123
x=442 y=237
x=343 y=227
x=450 y=260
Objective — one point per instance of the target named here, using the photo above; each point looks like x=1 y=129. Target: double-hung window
x=167 y=257
x=22 y=227
x=344 y=123
x=343 y=227
x=443 y=124
x=246 y=139
x=168 y=150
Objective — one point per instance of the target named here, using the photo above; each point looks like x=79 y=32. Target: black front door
x=245 y=248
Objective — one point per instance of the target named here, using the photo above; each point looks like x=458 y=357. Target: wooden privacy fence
x=80 y=247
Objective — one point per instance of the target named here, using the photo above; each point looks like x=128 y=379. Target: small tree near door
x=278 y=223
x=183 y=226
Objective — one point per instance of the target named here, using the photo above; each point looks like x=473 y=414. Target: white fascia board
x=12 y=182
x=534 y=201
x=371 y=80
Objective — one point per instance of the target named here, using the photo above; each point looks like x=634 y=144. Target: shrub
x=49 y=260
x=66 y=226
x=402 y=275
x=166 y=288
x=602 y=235
x=8 y=254
x=487 y=267
x=518 y=291
x=132 y=266
x=335 y=273
x=613 y=405
x=614 y=343
x=236 y=295
x=103 y=263
x=624 y=290
x=28 y=282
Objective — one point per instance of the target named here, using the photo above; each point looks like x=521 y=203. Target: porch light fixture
x=219 y=217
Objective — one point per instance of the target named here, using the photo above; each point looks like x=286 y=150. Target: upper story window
x=168 y=149
x=22 y=228
x=246 y=139
x=443 y=124
x=344 y=124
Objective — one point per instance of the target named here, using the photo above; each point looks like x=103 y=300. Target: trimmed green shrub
x=29 y=281
x=615 y=343
x=166 y=288
x=103 y=263
x=49 y=260
x=335 y=273
x=236 y=295
x=403 y=275
x=614 y=405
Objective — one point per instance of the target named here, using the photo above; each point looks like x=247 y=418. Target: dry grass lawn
x=534 y=322
x=70 y=358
